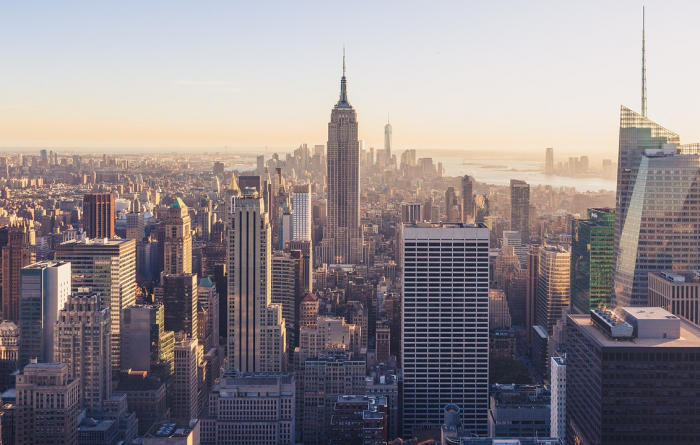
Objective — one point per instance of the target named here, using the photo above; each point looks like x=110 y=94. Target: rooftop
x=689 y=333
x=178 y=204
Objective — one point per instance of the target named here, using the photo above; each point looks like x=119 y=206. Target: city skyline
x=214 y=92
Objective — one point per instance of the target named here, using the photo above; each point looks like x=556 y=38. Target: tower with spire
x=387 y=141
x=342 y=238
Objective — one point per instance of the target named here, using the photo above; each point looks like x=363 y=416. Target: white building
x=558 y=399
x=251 y=409
x=301 y=204
x=445 y=339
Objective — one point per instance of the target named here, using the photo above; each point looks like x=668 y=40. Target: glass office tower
x=657 y=223
x=592 y=245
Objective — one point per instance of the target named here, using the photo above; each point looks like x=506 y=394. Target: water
x=528 y=170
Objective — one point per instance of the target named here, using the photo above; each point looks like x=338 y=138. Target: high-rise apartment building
x=445 y=344
x=251 y=408
x=657 y=215
x=549 y=162
x=628 y=379
x=592 y=246
x=180 y=301
x=520 y=208
x=342 y=239
x=467 y=199
x=44 y=289
x=553 y=288
x=677 y=292
x=107 y=267
x=178 y=239
x=83 y=340
x=98 y=215
x=302 y=217
x=19 y=251
x=47 y=405
x=256 y=329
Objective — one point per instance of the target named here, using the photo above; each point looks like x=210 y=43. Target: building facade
x=677 y=292
x=520 y=208
x=20 y=251
x=592 y=246
x=553 y=288
x=454 y=292
x=98 y=215
x=178 y=239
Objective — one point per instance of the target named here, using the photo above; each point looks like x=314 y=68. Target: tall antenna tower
x=644 y=70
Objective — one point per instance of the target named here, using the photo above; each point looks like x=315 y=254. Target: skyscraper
x=533 y=272
x=47 y=405
x=256 y=329
x=445 y=345
x=135 y=226
x=657 y=224
x=553 y=289
x=628 y=379
x=180 y=301
x=19 y=251
x=107 y=267
x=549 y=162
x=83 y=340
x=44 y=289
x=467 y=199
x=98 y=215
x=592 y=260
x=343 y=240
x=178 y=239
x=302 y=216
x=520 y=209
x=387 y=141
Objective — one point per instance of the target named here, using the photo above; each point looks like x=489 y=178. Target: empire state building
x=342 y=241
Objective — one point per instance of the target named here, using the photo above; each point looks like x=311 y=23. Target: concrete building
x=98 y=215
x=328 y=333
x=146 y=396
x=107 y=267
x=180 y=300
x=18 y=252
x=208 y=298
x=135 y=226
x=431 y=379
x=558 y=400
x=251 y=409
x=307 y=262
x=324 y=379
x=308 y=310
x=520 y=208
x=303 y=218
x=9 y=354
x=676 y=292
x=146 y=345
x=357 y=420
x=467 y=199
x=411 y=212
x=531 y=291
x=178 y=239
x=627 y=378
x=285 y=292
x=47 y=405
x=383 y=342
x=256 y=328
x=519 y=411
x=83 y=340
x=499 y=314
x=342 y=238
x=44 y=288
x=554 y=286
x=187 y=402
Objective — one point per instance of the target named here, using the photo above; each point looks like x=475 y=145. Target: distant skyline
x=502 y=77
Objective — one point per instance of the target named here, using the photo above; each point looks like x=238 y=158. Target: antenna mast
x=644 y=70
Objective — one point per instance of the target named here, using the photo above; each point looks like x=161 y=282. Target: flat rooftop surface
x=690 y=335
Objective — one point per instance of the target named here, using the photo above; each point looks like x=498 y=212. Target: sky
x=455 y=75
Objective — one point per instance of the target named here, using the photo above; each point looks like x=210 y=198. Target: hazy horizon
x=502 y=78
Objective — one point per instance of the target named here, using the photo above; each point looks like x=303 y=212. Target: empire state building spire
x=644 y=69
x=343 y=101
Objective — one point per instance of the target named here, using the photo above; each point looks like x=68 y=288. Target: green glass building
x=592 y=248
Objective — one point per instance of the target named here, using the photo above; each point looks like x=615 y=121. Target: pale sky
x=469 y=75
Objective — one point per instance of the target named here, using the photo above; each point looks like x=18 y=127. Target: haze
x=506 y=76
